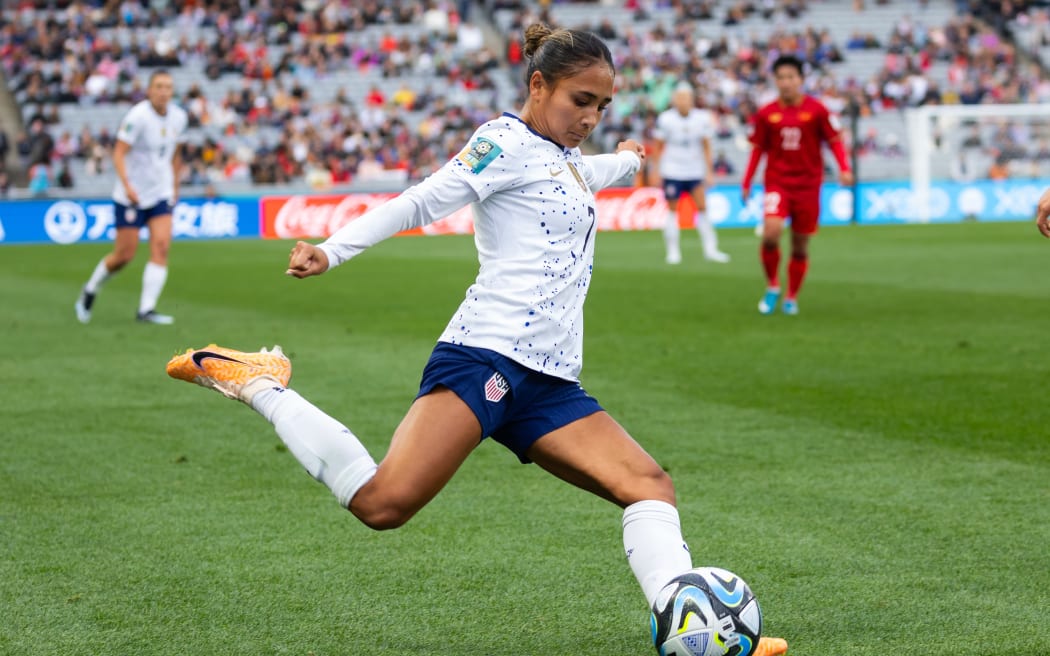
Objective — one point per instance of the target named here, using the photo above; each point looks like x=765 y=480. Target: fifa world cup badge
x=480 y=154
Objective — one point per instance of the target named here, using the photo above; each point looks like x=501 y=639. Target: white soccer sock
x=671 y=233
x=708 y=236
x=326 y=448
x=652 y=537
x=100 y=275
x=153 y=278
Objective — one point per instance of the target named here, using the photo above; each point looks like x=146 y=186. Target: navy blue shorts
x=673 y=189
x=514 y=404
x=132 y=217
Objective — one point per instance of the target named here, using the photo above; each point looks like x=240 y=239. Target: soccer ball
x=706 y=611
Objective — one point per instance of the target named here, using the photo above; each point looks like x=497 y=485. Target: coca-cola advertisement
x=317 y=217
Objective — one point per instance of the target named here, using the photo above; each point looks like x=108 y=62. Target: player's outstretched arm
x=1042 y=214
x=306 y=260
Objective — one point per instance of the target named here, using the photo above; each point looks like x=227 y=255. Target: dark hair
x=559 y=54
x=157 y=73
x=789 y=60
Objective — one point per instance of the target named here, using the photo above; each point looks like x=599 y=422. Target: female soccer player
x=789 y=131
x=683 y=147
x=146 y=158
x=508 y=362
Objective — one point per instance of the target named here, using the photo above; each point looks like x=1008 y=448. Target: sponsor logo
x=65 y=222
x=317 y=217
x=200 y=356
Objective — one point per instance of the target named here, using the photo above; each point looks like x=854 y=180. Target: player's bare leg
x=124 y=247
x=596 y=454
x=434 y=438
x=769 y=253
x=155 y=275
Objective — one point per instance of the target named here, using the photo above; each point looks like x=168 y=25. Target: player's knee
x=381 y=512
x=121 y=258
x=653 y=483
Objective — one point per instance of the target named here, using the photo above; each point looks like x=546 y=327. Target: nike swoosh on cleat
x=200 y=356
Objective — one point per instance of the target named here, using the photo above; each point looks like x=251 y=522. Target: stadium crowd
x=287 y=117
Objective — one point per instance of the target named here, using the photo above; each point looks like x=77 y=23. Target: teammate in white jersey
x=683 y=145
x=146 y=157
x=506 y=366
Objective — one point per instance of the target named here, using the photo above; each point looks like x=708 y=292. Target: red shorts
x=802 y=206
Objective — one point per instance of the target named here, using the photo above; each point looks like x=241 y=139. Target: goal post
x=976 y=144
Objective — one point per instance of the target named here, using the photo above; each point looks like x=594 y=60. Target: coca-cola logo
x=317 y=217
x=638 y=208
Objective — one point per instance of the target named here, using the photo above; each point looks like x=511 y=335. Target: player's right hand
x=306 y=260
x=1042 y=214
x=133 y=196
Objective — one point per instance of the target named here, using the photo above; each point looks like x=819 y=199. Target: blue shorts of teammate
x=514 y=404
x=673 y=189
x=133 y=217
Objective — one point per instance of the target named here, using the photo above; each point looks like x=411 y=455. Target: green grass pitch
x=877 y=468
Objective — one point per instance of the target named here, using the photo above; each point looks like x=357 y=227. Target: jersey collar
x=529 y=128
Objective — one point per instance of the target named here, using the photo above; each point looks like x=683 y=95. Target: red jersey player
x=789 y=131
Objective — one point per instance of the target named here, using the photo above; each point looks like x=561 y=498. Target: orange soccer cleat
x=771 y=647
x=231 y=372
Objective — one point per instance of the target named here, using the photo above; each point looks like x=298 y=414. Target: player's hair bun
x=535 y=35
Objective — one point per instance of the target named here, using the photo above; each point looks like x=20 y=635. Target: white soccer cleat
x=155 y=318
x=83 y=306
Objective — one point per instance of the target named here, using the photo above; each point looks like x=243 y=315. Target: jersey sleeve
x=600 y=171
x=184 y=126
x=130 y=127
x=489 y=163
x=758 y=131
x=434 y=198
x=709 y=125
x=660 y=129
x=830 y=125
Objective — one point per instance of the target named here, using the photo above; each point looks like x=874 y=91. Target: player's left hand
x=1042 y=214
x=306 y=260
x=846 y=178
x=632 y=145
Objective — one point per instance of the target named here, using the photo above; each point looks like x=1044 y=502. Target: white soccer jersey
x=534 y=222
x=153 y=139
x=682 y=157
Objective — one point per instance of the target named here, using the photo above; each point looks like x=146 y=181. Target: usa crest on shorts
x=496 y=387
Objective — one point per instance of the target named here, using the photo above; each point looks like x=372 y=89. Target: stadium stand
x=372 y=94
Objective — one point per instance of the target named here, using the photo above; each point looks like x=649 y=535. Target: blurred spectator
x=722 y=165
x=39 y=179
x=64 y=178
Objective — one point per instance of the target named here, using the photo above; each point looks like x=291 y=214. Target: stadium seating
x=396 y=51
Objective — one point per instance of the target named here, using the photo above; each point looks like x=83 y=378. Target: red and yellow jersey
x=791 y=136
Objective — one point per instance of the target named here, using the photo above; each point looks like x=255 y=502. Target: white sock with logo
x=100 y=275
x=708 y=236
x=656 y=552
x=327 y=449
x=671 y=236
x=153 y=278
